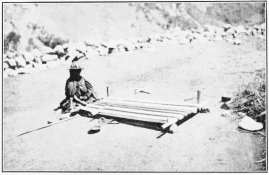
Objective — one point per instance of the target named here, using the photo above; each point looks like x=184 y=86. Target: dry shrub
x=251 y=96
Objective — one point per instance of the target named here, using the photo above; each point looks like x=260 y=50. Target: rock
x=240 y=29
x=242 y=114
x=48 y=50
x=47 y=58
x=208 y=34
x=37 y=53
x=225 y=113
x=263 y=26
x=81 y=46
x=227 y=26
x=20 y=62
x=72 y=47
x=12 y=63
x=237 y=42
x=38 y=60
x=209 y=28
x=10 y=55
x=65 y=46
x=23 y=71
x=5 y=66
x=225 y=106
x=52 y=64
x=71 y=55
x=59 y=50
x=249 y=124
x=28 y=56
x=103 y=51
x=230 y=31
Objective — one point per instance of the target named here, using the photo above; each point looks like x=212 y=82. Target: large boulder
x=12 y=63
x=209 y=28
x=28 y=56
x=37 y=53
x=48 y=50
x=227 y=26
x=59 y=50
x=20 y=61
x=71 y=55
x=81 y=47
x=47 y=58
x=10 y=55
x=65 y=46
x=240 y=29
x=38 y=60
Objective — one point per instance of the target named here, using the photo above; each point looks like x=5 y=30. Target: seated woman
x=78 y=88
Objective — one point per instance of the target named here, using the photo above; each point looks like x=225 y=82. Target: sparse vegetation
x=251 y=96
x=247 y=14
x=11 y=42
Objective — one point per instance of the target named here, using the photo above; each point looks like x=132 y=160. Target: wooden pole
x=61 y=121
x=157 y=102
x=184 y=112
x=192 y=109
x=170 y=122
x=198 y=97
x=107 y=91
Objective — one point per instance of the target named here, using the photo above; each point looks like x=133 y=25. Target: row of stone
x=37 y=60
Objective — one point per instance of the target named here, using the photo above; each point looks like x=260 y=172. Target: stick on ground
x=61 y=121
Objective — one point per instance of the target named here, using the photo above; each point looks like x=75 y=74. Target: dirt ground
x=204 y=142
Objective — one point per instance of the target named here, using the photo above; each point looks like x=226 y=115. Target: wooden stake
x=107 y=91
x=198 y=97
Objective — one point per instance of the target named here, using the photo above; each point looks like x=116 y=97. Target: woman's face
x=75 y=73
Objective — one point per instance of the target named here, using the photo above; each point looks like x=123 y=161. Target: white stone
x=59 y=50
x=12 y=63
x=28 y=56
x=38 y=60
x=237 y=42
x=225 y=113
x=20 y=61
x=48 y=50
x=37 y=53
x=249 y=124
x=81 y=46
x=72 y=55
x=47 y=58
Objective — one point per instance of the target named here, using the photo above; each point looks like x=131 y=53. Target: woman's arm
x=76 y=99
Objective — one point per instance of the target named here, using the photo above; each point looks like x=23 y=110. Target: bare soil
x=204 y=142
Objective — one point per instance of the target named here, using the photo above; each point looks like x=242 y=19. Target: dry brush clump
x=251 y=96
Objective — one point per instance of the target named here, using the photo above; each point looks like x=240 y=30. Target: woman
x=78 y=88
